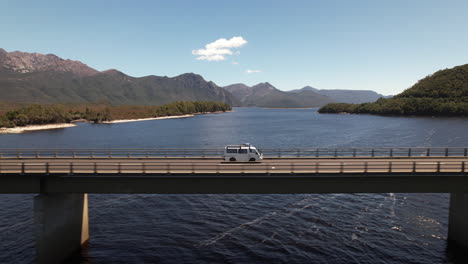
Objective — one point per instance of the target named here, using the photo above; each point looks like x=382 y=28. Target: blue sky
x=384 y=46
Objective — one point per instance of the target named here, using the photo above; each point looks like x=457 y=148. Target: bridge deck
x=218 y=166
x=212 y=175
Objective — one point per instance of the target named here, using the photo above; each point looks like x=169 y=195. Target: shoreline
x=22 y=129
x=144 y=119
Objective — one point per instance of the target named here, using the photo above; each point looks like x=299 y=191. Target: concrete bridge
x=62 y=178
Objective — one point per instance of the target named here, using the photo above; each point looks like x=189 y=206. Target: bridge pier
x=458 y=221
x=61 y=226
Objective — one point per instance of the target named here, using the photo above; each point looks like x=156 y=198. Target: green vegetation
x=444 y=93
x=52 y=114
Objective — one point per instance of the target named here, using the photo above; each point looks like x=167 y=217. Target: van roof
x=240 y=146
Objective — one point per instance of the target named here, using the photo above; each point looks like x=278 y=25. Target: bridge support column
x=61 y=226
x=458 y=221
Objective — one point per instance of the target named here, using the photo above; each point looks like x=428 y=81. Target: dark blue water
x=303 y=228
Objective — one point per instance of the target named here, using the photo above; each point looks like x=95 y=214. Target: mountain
x=37 y=78
x=444 y=93
x=345 y=96
x=23 y=62
x=266 y=95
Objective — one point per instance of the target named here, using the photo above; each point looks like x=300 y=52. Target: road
x=217 y=165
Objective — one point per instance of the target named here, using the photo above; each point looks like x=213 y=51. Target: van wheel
x=232 y=159
x=252 y=159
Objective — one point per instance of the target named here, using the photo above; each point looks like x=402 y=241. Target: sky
x=385 y=46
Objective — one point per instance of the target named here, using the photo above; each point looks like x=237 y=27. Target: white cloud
x=216 y=51
x=235 y=63
x=252 y=71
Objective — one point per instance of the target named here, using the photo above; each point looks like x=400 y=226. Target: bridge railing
x=265 y=168
x=216 y=153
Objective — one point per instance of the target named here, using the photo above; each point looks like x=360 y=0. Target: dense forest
x=12 y=115
x=444 y=93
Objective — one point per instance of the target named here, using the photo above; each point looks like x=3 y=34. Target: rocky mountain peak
x=24 y=62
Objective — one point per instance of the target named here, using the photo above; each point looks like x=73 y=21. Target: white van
x=242 y=153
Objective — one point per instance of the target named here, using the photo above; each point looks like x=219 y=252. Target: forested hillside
x=444 y=93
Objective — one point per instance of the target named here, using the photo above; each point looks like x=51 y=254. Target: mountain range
x=345 y=96
x=38 y=78
x=266 y=95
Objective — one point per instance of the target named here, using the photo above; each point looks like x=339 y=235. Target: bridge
x=64 y=177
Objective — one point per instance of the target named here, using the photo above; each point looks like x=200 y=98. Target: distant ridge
x=345 y=96
x=266 y=95
x=38 y=78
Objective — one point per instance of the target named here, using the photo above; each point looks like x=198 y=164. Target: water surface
x=302 y=228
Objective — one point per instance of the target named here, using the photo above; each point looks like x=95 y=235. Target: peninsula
x=444 y=93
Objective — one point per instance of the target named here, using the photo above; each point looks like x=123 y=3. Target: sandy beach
x=144 y=119
x=22 y=129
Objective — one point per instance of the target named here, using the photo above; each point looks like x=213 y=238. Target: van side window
x=243 y=151
x=231 y=150
x=252 y=151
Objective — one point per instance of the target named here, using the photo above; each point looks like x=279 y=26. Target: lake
x=302 y=228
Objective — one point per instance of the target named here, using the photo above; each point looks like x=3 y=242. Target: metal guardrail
x=310 y=168
x=207 y=153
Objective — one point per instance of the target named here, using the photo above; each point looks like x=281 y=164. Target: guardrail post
x=365 y=166
x=71 y=167
x=292 y=168
x=47 y=168
x=466 y=152
x=409 y=152
x=373 y=153
x=390 y=165
x=95 y=168
x=22 y=168
x=317 y=153
x=391 y=152
x=316 y=167
x=438 y=166
x=428 y=152
x=414 y=166
x=298 y=154
x=446 y=152
x=119 y=166
x=463 y=166
x=354 y=152
x=336 y=153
